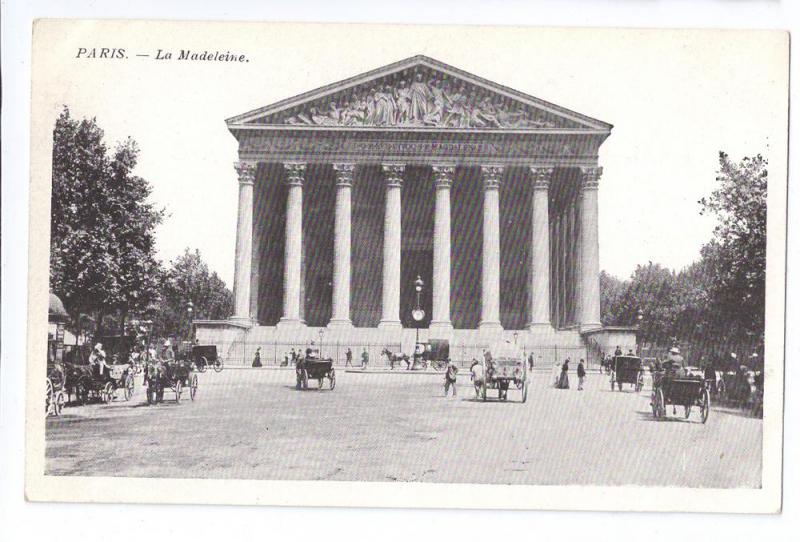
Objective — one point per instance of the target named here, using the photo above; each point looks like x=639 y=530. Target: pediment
x=417 y=93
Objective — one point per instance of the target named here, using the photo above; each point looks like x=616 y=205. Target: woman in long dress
x=563 y=379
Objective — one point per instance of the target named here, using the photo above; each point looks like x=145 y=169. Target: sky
x=675 y=99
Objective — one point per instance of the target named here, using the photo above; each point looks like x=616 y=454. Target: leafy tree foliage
x=189 y=279
x=717 y=303
x=102 y=245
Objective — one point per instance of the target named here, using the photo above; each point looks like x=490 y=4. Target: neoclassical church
x=415 y=176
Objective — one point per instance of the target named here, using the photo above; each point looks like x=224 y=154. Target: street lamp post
x=418 y=314
x=639 y=318
x=189 y=314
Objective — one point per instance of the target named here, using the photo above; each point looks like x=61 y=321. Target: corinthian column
x=440 y=319
x=590 y=250
x=244 y=241
x=341 y=247
x=294 y=245
x=390 y=316
x=490 y=285
x=539 y=287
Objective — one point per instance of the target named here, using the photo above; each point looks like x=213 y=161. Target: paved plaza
x=253 y=424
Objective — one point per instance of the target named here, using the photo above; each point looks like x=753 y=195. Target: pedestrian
x=293 y=357
x=581 y=375
x=618 y=351
x=530 y=361
x=450 y=377
x=348 y=358
x=257 y=358
x=364 y=359
x=563 y=379
x=285 y=362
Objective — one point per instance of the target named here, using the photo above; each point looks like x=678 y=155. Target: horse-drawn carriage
x=313 y=366
x=173 y=375
x=203 y=356
x=55 y=392
x=671 y=388
x=434 y=353
x=502 y=366
x=627 y=370
x=86 y=381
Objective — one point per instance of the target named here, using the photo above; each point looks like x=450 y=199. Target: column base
x=390 y=325
x=242 y=320
x=591 y=326
x=494 y=326
x=340 y=323
x=290 y=323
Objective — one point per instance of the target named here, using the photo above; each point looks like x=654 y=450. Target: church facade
x=415 y=176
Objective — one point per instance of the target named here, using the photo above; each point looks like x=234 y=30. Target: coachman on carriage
x=313 y=366
x=502 y=366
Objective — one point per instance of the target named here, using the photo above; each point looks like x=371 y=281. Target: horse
x=394 y=357
x=476 y=376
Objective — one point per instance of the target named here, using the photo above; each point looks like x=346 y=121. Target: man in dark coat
x=581 y=374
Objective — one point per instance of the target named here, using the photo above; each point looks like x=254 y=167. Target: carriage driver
x=97 y=360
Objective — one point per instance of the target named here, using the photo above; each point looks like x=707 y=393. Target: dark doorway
x=416 y=257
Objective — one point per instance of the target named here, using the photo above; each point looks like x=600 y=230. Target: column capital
x=591 y=177
x=443 y=175
x=541 y=177
x=246 y=172
x=344 y=173
x=492 y=177
x=393 y=174
x=294 y=173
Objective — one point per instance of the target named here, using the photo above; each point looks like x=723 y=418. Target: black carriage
x=502 y=367
x=87 y=382
x=670 y=389
x=175 y=376
x=205 y=356
x=434 y=353
x=313 y=366
x=627 y=370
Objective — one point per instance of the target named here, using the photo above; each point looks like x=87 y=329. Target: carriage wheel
x=48 y=400
x=178 y=389
x=332 y=378
x=107 y=394
x=193 y=387
x=218 y=365
x=202 y=367
x=705 y=406
x=58 y=405
x=524 y=390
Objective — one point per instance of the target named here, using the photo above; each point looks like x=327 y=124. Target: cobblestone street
x=253 y=424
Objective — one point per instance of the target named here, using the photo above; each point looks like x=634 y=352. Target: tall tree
x=736 y=257
x=102 y=245
x=189 y=279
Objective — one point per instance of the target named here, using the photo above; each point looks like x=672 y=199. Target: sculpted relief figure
x=422 y=103
x=421 y=98
x=403 y=98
